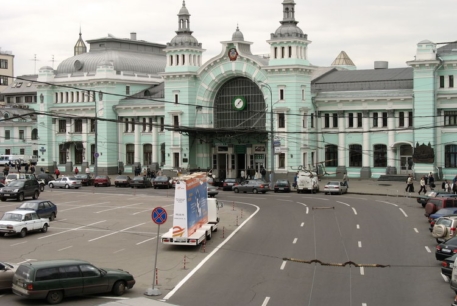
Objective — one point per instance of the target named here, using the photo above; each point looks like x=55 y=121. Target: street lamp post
x=100 y=97
x=272 y=146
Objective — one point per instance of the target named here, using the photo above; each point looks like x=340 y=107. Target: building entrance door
x=241 y=165
x=406 y=159
x=222 y=166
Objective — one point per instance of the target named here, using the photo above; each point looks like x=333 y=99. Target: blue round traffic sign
x=159 y=215
x=96 y=155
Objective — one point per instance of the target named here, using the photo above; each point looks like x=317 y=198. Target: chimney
x=381 y=65
x=133 y=36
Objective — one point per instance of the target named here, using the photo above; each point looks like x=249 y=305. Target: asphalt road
x=112 y=227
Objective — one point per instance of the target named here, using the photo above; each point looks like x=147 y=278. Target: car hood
x=111 y=271
x=6 y=189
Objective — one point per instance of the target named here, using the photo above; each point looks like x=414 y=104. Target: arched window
x=130 y=154
x=183 y=59
x=34 y=134
x=450 y=156
x=286 y=14
x=379 y=155
x=355 y=155
x=331 y=156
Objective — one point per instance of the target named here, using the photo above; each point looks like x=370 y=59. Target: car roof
x=57 y=262
x=39 y=201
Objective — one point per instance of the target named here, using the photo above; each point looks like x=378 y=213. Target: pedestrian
x=18 y=167
x=431 y=181
x=87 y=171
x=445 y=185
x=426 y=179
x=409 y=184
x=27 y=166
x=148 y=172
x=32 y=169
x=295 y=180
x=57 y=173
x=76 y=170
x=271 y=176
x=6 y=170
x=243 y=175
x=422 y=183
x=263 y=172
x=345 y=180
x=42 y=170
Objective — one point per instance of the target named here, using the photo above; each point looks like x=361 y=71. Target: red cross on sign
x=159 y=215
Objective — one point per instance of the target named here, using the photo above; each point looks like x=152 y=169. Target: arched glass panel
x=355 y=155
x=331 y=156
x=380 y=155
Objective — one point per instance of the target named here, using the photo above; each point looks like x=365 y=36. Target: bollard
x=233 y=205
x=241 y=213
x=184 y=262
x=204 y=246
x=157 y=276
x=236 y=220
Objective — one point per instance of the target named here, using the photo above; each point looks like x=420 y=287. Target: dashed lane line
x=265 y=302
x=283 y=265
x=141 y=242
x=65 y=248
x=360 y=244
x=83 y=206
x=295 y=241
x=18 y=243
x=116 y=232
x=428 y=249
x=362 y=271
x=118 y=207
x=358 y=226
x=73 y=229
x=302 y=224
x=355 y=211
x=403 y=212
x=283 y=200
x=415 y=229
x=115 y=252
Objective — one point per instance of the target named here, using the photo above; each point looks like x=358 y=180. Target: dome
x=237 y=36
x=288 y=29
x=184 y=39
x=426 y=42
x=46 y=68
x=184 y=10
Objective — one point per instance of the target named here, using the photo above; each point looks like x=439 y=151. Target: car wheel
x=41 y=188
x=255 y=191
x=119 y=288
x=76 y=187
x=236 y=190
x=51 y=185
x=20 y=197
x=23 y=233
x=36 y=195
x=44 y=229
x=52 y=217
x=263 y=192
x=208 y=236
x=275 y=191
x=3 y=199
x=67 y=186
x=54 y=297
x=423 y=205
x=2 y=234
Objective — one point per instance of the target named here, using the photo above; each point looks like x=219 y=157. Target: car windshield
x=281 y=182
x=16 y=184
x=230 y=180
x=28 y=205
x=81 y=176
x=11 y=177
x=138 y=178
x=333 y=183
x=103 y=177
x=12 y=217
x=161 y=178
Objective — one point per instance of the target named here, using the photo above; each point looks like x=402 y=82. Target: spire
x=80 y=46
x=289 y=12
x=184 y=34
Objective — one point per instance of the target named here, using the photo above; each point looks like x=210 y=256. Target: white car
x=65 y=182
x=20 y=222
x=335 y=187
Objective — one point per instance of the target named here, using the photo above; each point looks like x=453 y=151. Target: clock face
x=239 y=103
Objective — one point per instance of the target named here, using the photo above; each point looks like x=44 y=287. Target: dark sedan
x=447 y=265
x=86 y=179
x=446 y=249
x=122 y=180
x=46 y=177
x=43 y=208
x=140 y=182
x=162 y=182
x=229 y=183
x=282 y=186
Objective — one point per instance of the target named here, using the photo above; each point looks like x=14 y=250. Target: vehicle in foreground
x=442 y=213
x=282 y=186
x=65 y=182
x=307 y=181
x=86 y=179
x=20 y=189
x=212 y=191
x=446 y=249
x=435 y=204
x=162 y=182
x=445 y=228
x=433 y=194
x=122 y=181
x=43 y=208
x=335 y=187
x=228 y=183
x=20 y=222
x=254 y=186
x=6 y=275
x=102 y=180
x=54 y=280
x=447 y=264
x=141 y=182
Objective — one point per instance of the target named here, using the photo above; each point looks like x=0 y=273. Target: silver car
x=254 y=186
x=65 y=182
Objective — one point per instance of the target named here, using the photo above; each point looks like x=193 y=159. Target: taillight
x=454 y=251
x=444 y=264
x=438 y=248
x=452 y=231
x=225 y=184
x=29 y=286
x=261 y=186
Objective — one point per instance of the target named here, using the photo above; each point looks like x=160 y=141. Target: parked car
x=20 y=222
x=2 y=178
x=441 y=213
x=445 y=228
x=122 y=180
x=228 y=183
x=6 y=275
x=102 y=180
x=212 y=191
x=162 y=182
x=56 y=279
x=173 y=181
x=65 y=182
x=446 y=249
x=447 y=264
x=282 y=185
x=86 y=179
x=141 y=182
x=435 y=204
x=335 y=187
x=254 y=186
x=20 y=189
x=43 y=208
x=434 y=194
x=46 y=177
x=11 y=177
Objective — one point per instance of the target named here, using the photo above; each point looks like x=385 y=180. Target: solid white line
x=358 y=226
x=116 y=232
x=83 y=206
x=355 y=211
x=362 y=271
x=302 y=204
x=19 y=243
x=146 y=240
x=64 y=248
x=302 y=224
x=387 y=203
x=140 y=212
x=446 y=279
x=73 y=229
x=403 y=212
x=415 y=229
x=118 y=251
x=307 y=210
x=295 y=241
x=283 y=265
x=188 y=276
x=428 y=249
x=118 y=207
x=360 y=244
x=265 y=303
x=343 y=203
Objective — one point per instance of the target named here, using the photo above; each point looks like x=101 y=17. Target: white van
x=307 y=181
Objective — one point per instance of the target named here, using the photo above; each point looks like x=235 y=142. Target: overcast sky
x=367 y=30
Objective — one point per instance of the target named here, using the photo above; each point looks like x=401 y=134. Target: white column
x=155 y=142
x=341 y=140
x=439 y=133
x=391 y=136
x=366 y=140
x=137 y=144
x=85 y=140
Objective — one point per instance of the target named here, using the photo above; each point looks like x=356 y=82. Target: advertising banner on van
x=191 y=205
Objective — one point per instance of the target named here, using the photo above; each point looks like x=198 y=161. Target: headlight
x=15 y=190
x=1 y=189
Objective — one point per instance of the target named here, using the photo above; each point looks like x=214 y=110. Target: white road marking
x=343 y=203
x=323 y=199
x=118 y=207
x=247 y=198
x=355 y=211
x=403 y=212
x=428 y=249
x=283 y=265
x=446 y=279
x=360 y=244
x=302 y=224
x=146 y=240
x=27 y=260
x=111 y=297
x=73 y=229
x=346 y=197
x=64 y=248
x=362 y=271
x=265 y=303
x=358 y=226
x=415 y=229
x=140 y=212
x=83 y=206
x=285 y=200
x=387 y=203
x=307 y=210
x=295 y=241
x=116 y=232
x=364 y=304
x=118 y=251
x=19 y=243
x=302 y=204
x=68 y=202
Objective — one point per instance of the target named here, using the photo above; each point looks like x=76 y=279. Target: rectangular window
x=351 y=120
x=78 y=126
x=3 y=64
x=303 y=95
x=327 y=120
x=355 y=155
x=335 y=120
x=176 y=98
x=401 y=119
x=126 y=125
x=18 y=99
x=92 y=125
x=312 y=120
x=380 y=156
x=281 y=121
x=28 y=99
x=232 y=161
x=305 y=116
x=133 y=124
x=442 y=81
x=276 y=52
x=410 y=119
x=375 y=119
x=281 y=94
x=62 y=126
x=283 y=51
x=62 y=155
x=176 y=121
x=7 y=134
x=9 y=99
x=183 y=59
x=92 y=152
x=282 y=160
x=127 y=90
x=450 y=118
x=7 y=151
x=359 y=120
x=290 y=52
x=214 y=161
x=130 y=151
x=3 y=80
x=162 y=124
x=150 y=124
x=331 y=156
x=144 y=124
x=451 y=81
x=384 y=119
x=21 y=134
x=450 y=156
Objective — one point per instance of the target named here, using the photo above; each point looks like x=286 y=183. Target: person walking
x=409 y=184
x=295 y=180
x=27 y=166
x=76 y=170
x=422 y=183
x=87 y=171
x=345 y=180
x=32 y=169
x=431 y=181
x=57 y=173
x=6 y=170
x=263 y=172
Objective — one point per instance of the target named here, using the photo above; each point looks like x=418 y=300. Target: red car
x=102 y=180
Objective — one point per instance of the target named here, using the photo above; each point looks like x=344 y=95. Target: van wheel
x=23 y=233
x=41 y=188
x=20 y=197
x=54 y=297
x=119 y=288
x=44 y=229
x=36 y=195
x=208 y=236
